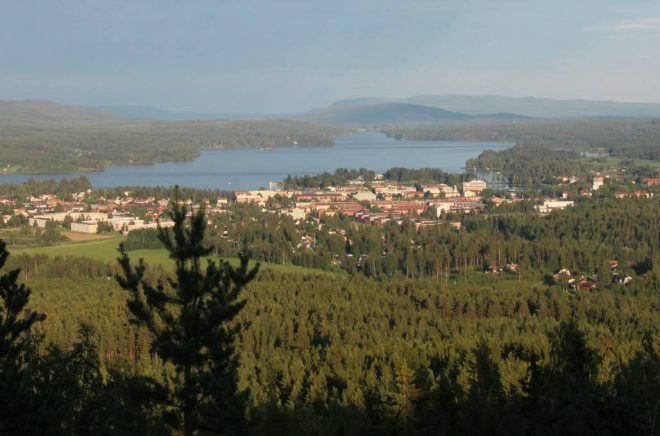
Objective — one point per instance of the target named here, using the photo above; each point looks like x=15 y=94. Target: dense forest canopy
x=338 y=354
x=409 y=331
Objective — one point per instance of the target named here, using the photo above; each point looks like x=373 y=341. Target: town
x=322 y=222
x=372 y=202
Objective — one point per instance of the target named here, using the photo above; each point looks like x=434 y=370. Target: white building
x=365 y=196
x=436 y=190
x=85 y=227
x=125 y=224
x=598 y=182
x=550 y=205
x=297 y=213
x=59 y=217
x=258 y=197
x=121 y=222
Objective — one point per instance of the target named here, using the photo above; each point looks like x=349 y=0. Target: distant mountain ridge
x=373 y=112
x=154 y=113
x=359 y=111
x=47 y=112
x=525 y=106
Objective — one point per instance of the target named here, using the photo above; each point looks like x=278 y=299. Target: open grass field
x=106 y=251
x=82 y=237
x=620 y=161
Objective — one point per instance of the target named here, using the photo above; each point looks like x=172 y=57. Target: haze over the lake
x=289 y=56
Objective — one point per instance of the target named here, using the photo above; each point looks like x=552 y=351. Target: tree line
x=342 y=176
x=632 y=138
x=46 y=147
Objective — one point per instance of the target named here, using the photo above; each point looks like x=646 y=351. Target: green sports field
x=106 y=251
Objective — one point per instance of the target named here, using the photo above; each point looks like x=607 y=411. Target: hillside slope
x=40 y=136
x=394 y=113
x=527 y=106
x=39 y=111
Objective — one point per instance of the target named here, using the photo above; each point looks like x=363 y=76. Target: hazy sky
x=283 y=56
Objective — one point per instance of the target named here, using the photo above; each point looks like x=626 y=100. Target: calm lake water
x=247 y=168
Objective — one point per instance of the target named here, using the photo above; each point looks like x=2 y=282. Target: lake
x=252 y=168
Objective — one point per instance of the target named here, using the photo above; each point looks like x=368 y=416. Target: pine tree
x=190 y=317
x=15 y=346
x=605 y=274
x=402 y=399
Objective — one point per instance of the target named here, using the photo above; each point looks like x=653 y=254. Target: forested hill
x=47 y=137
x=153 y=113
x=630 y=138
x=527 y=106
x=47 y=112
x=394 y=112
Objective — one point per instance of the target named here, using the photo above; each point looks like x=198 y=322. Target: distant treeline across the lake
x=633 y=138
x=46 y=147
x=546 y=149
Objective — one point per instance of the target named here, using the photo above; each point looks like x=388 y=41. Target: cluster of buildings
x=44 y=210
x=380 y=202
x=587 y=189
x=583 y=282
x=375 y=203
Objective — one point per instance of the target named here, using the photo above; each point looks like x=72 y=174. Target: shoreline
x=249 y=168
